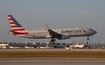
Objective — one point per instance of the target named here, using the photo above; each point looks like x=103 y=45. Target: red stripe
x=26 y=32
x=11 y=22
x=20 y=33
x=9 y=18
x=18 y=29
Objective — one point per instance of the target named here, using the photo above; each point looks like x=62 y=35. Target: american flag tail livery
x=17 y=29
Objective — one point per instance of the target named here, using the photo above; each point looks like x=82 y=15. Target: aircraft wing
x=53 y=33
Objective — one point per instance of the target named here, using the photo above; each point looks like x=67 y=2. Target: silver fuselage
x=74 y=32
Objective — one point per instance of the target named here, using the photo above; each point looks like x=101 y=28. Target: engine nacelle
x=65 y=36
x=48 y=36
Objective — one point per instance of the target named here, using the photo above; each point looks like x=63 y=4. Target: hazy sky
x=32 y=14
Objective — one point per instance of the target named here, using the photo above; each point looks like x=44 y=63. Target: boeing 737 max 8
x=61 y=34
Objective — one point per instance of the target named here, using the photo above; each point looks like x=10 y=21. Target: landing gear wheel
x=53 y=40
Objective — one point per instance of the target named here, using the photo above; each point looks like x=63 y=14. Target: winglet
x=47 y=28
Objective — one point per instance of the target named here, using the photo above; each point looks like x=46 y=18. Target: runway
x=52 y=50
x=52 y=61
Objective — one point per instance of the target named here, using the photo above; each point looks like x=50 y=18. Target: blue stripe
x=16 y=23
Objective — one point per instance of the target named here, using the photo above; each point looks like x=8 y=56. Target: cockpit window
x=91 y=29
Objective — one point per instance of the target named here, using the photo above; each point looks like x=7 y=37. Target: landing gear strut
x=87 y=37
x=53 y=40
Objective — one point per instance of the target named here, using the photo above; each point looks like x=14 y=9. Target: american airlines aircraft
x=60 y=34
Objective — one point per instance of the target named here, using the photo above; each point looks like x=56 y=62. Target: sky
x=33 y=14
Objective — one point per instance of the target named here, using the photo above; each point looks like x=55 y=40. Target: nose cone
x=95 y=32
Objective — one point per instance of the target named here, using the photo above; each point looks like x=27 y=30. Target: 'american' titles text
x=71 y=31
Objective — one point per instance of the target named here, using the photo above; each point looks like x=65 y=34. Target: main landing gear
x=87 y=37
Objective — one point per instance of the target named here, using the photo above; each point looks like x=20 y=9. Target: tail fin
x=17 y=29
x=15 y=26
x=86 y=44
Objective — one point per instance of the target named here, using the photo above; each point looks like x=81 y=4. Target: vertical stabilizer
x=17 y=29
x=15 y=26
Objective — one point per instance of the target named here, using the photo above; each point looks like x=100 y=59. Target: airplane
x=47 y=33
x=79 y=46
